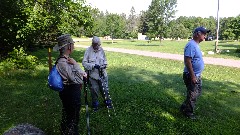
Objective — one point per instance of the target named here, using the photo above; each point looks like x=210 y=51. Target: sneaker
x=108 y=103
x=95 y=105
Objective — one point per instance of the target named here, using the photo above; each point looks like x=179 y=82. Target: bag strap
x=59 y=58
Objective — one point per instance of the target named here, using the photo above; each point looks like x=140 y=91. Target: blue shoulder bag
x=55 y=80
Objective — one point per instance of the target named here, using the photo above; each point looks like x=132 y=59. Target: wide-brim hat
x=63 y=40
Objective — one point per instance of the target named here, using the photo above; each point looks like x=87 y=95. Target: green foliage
x=159 y=13
x=116 y=26
x=131 y=25
x=18 y=59
x=12 y=20
x=238 y=50
x=143 y=27
x=99 y=24
x=230 y=28
x=36 y=24
x=179 y=31
x=235 y=25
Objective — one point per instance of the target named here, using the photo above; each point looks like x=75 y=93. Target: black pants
x=193 y=92
x=71 y=102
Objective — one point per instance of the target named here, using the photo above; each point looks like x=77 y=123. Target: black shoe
x=192 y=116
x=182 y=108
x=95 y=106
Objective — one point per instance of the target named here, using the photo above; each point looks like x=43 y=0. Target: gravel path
x=207 y=60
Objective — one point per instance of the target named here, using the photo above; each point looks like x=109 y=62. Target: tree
x=98 y=27
x=179 y=31
x=142 y=24
x=235 y=26
x=132 y=24
x=12 y=19
x=115 y=26
x=37 y=23
x=159 y=14
x=226 y=31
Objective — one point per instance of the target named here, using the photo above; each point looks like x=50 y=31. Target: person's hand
x=96 y=66
x=194 y=79
x=84 y=74
x=103 y=66
x=71 y=61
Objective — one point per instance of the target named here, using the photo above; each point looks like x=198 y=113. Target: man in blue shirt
x=194 y=66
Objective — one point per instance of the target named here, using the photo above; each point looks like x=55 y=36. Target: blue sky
x=202 y=8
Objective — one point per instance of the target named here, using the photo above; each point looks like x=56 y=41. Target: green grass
x=175 y=47
x=147 y=93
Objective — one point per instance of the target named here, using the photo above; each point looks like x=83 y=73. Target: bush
x=238 y=50
x=18 y=59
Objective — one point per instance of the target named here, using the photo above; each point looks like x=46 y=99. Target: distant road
x=207 y=60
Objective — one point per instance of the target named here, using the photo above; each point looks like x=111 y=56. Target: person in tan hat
x=95 y=62
x=72 y=76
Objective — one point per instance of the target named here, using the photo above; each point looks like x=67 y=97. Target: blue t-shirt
x=192 y=50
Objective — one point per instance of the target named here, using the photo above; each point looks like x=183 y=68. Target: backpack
x=55 y=80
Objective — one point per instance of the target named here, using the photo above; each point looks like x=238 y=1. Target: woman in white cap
x=72 y=76
x=95 y=62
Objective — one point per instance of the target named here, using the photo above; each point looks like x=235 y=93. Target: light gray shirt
x=92 y=57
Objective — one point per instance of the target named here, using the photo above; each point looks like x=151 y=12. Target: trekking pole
x=86 y=82
x=105 y=90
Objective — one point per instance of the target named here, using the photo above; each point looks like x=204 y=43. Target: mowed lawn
x=230 y=49
x=147 y=93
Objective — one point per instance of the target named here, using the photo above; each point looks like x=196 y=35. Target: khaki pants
x=96 y=86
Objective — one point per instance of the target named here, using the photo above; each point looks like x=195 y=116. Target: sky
x=198 y=8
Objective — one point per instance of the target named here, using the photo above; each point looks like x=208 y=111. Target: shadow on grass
x=146 y=102
x=229 y=45
x=148 y=45
x=109 y=42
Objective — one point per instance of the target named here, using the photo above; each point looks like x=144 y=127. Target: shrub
x=238 y=50
x=18 y=59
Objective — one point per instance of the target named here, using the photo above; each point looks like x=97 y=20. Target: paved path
x=207 y=60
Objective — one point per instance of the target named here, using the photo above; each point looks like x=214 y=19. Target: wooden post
x=49 y=59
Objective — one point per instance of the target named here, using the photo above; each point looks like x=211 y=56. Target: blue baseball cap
x=201 y=29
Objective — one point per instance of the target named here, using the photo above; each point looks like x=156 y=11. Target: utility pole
x=216 y=43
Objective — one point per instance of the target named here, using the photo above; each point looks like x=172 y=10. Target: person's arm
x=76 y=67
x=188 y=63
x=104 y=60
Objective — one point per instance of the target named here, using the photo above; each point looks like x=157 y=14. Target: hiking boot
x=182 y=109
x=191 y=116
x=108 y=103
x=95 y=105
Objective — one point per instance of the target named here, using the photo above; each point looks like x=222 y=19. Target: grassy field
x=175 y=47
x=147 y=93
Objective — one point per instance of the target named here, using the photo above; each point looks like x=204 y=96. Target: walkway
x=207 y=60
